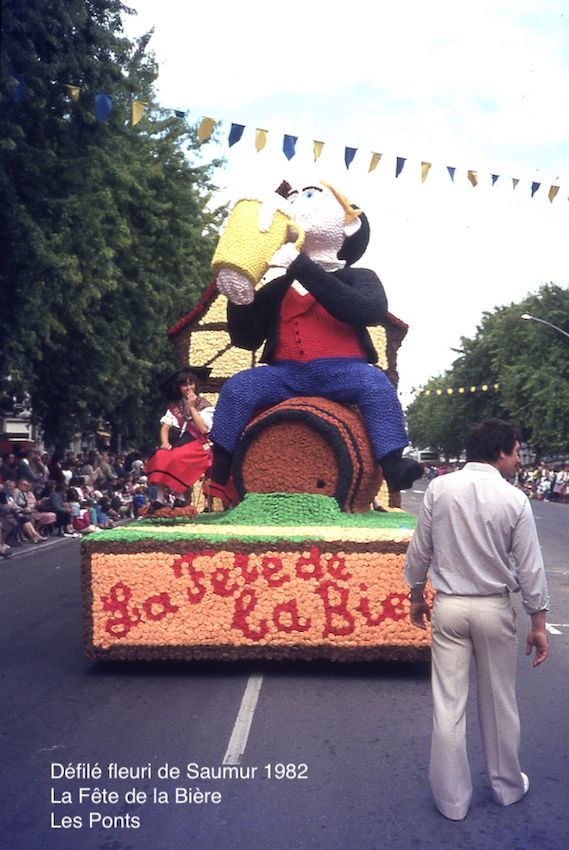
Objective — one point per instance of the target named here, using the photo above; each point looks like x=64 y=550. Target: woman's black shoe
x=155 y=506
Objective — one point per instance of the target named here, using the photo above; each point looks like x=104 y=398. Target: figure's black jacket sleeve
x=354 y=296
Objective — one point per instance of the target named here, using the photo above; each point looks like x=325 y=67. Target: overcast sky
x=481 y=86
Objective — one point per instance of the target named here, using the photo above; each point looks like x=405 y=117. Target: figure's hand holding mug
x=254 y=231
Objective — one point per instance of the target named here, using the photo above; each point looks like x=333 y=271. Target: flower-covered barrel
x=309 y=445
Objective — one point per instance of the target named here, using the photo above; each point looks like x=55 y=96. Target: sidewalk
x=29 y=548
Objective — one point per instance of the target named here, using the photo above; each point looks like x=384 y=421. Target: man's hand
x=420 y=612
x=537 y=638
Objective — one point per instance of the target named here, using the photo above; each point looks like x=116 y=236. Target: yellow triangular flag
x=73 y=92
x=138 y=107
x=317 y=149
x=205 y=129
x=553 y=190
x=425 y=168
x=375 y=157
x=260 y=139
x=515 y=181
x=473 y=177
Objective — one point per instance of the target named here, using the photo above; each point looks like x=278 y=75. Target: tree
x=528 y=363
x=108 y=229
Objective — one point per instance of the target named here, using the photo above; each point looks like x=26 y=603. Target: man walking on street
x=476 y=538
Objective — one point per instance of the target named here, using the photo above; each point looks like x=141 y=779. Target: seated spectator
x=4 y=553
x=99 y=502
x=17 y=502
x=25 y=470
x=91 y=469
x=9 y=467
x=119 y=467
x=55 y=469
x=108 y=475
x=138 y=500
x=9 y=525
x=42 y=520
x=79 y=512
x=55 y=501
x=40 y=470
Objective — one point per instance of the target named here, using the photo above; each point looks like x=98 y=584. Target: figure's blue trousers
x=345 y=380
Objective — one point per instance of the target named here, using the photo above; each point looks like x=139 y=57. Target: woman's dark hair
x=171 y=388
x=487 y=439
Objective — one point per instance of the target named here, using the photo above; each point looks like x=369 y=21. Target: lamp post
x=543 y=322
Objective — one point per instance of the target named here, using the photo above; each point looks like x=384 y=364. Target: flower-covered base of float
x=278 y=577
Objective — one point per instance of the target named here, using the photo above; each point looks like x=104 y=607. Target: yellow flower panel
x=379 y=339
x=216 y=312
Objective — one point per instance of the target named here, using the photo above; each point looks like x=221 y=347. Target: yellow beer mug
x=253 y=232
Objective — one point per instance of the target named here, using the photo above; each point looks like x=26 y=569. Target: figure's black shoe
x=221 y=465
x=155 y=506
x=179 y=503
x=400 y=472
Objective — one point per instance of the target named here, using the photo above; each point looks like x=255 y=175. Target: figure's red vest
x=307 y=331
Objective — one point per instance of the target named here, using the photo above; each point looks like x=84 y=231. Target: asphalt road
x=335 y=757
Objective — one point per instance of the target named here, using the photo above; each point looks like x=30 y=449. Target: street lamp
x=543 y=322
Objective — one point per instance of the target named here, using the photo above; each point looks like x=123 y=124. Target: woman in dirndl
x=185 y=452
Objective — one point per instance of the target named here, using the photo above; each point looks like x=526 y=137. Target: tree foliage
x=107 y=229
x=529 y=361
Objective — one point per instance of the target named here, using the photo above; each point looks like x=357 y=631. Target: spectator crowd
x=544 y=482
x=67 y=495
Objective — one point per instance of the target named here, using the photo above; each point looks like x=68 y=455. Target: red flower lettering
x=117 y=603
x=244 y=606
x=339 y=620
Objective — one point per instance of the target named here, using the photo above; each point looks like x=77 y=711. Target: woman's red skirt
x=179 y=468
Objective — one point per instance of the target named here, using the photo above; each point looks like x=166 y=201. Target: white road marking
x=242 y=727
x=552 y=630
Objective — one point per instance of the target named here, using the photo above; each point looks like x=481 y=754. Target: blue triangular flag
x=349 y=154
x=494 y=179
x=289 y=143
x=451 y=169
x=103 y=106
x=534 y=188
x=179 y=114
x=401 y=160
x=235 y=133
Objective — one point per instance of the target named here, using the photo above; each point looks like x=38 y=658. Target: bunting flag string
x=471 y=389
x=104 y=107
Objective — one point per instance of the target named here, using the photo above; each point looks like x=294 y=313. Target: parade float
x=302 y=567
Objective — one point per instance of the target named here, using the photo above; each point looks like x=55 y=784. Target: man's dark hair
x=487 y=439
